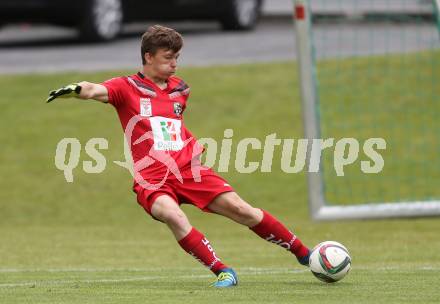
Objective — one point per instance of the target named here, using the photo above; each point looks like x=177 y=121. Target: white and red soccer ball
x=330 y=261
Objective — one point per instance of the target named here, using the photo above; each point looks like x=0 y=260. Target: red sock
x=196 y=244
x=275 y=232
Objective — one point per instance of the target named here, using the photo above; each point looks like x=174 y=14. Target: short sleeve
x=184 y=90
x=185 y=100
x=115 y=88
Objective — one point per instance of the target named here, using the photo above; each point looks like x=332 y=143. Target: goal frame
x=319 y=208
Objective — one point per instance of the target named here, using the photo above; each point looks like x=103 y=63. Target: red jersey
x=152 y=119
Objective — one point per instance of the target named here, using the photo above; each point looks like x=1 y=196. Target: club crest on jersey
x=178 y=109
x=145 y=107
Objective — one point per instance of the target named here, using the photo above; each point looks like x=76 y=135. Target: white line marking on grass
x=61 y=282
x=245 y=269
x=54 y=270
x=249 y=272
x=20 y=270
x=242 y=271
x=28 y=284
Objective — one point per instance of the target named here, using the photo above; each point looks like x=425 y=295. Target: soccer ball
x=330 y=261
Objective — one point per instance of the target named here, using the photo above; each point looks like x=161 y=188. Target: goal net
x=370 y=69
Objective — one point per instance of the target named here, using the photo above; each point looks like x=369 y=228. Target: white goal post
x=319 y=208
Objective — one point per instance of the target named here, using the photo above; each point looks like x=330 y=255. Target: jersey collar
x=150 y=82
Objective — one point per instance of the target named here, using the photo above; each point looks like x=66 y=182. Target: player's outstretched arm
x=81 y=90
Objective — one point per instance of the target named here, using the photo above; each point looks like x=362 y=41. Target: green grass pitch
x=89 y=241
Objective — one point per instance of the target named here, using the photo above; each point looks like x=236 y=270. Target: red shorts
x=198 y=193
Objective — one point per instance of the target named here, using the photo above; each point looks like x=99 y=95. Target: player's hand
x=71 y=90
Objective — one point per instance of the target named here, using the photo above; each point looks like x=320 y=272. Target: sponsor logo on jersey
x=145 y=107
x=166 y=133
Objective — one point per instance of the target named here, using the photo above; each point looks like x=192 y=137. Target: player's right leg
x=166 y=210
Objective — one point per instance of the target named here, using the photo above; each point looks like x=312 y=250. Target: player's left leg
x=261 y=222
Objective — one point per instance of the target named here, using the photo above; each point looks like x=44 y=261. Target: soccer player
x=167 y=168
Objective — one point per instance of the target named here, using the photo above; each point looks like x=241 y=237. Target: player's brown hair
x=160 y=37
